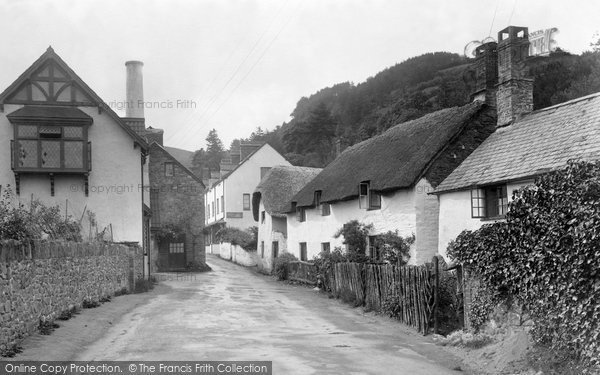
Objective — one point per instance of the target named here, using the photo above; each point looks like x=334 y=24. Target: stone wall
x=179 y=202
x=39 y=282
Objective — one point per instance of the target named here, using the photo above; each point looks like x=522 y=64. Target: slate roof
x=393 y=160
x=278 y=186
x=538 y=142
x=174 y=159
x=184 y=157
x=50 y=112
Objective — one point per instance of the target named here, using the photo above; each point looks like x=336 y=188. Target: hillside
x=346 y=113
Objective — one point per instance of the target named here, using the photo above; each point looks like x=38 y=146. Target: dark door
x=174 y=252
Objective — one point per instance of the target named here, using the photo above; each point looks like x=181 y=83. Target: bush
x=355 y=238
x=280 y=263
x=37 y=221
x=546 y=255
x=394 y=248
x=324 y=263
x=245 y=239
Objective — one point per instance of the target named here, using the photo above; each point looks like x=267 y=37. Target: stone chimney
x=514 y=96
x=135 y=89
x=486 y=73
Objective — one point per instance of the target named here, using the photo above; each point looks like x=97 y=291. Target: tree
x=199 y=161
x=214 y=150
x=355 y=238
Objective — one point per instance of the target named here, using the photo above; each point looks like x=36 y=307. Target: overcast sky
x=234 y=65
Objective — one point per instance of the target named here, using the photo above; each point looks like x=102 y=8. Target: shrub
x=280 y=263
x=324 y=263
x=546 y=254
x=355 y=238
x=245 y=239
x=395 y=249
x=38 y=221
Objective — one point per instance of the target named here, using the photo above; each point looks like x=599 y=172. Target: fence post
x=436 y=287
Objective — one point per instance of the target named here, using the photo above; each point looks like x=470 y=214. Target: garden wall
x=237 y=255
x=38 y=282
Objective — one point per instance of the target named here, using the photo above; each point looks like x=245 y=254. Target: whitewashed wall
x=115 y=183
x=273 y=229
x=455 y=214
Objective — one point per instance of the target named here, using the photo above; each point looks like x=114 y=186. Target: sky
x=234 y=65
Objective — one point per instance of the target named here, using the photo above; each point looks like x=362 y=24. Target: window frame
x=246 y=205
x=169 y=169
x=326 y=247
x=489 y=202
x=301 y=214
x=368 y=199
x=275 y=249
x=59 y=137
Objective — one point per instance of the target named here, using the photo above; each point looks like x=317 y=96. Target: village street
x=234 y=314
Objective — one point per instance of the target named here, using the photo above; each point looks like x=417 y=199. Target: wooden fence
x=302 y=271
x=412 y=287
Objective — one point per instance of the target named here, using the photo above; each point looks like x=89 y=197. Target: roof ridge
x=569 y=102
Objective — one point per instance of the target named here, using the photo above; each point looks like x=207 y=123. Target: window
x=169 y=169
x=303 y=255
x=218 y=205
x=275 y=249
x=208 y=209
x=212 y=210
x=367 y=198
x=264 y=171
x=325 y=247
x=262 y=249
x=489 y=202
x=176 y=248
x=222 y=204
x=301 y=214
x=262 y=217
x=374 y=252
x=246 y=202
x=325 y=208
x=52 y=148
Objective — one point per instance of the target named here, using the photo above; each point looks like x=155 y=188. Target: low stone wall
x=237 y=255
x=38 y=282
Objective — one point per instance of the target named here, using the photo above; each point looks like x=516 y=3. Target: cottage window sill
x=494 y=218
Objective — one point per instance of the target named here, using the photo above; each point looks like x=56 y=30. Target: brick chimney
x=154 y=135
x=514 y=96
x=486 y=73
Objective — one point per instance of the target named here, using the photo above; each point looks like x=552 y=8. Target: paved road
x=234 y=314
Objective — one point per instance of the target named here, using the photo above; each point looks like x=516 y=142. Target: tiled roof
x=541 y=141
x=50 y=112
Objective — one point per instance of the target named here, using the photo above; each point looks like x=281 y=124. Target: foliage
x=546 y=254
x=17 y=222
x=168 y=232
x=355 y=238
x=245 y=239
x=280 y=263
x=214 y=150
x=394 y=248
x=324 y=263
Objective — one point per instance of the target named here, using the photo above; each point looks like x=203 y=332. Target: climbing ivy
x=547 y=254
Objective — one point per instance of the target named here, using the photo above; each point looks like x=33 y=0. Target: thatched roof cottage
x=270 y=203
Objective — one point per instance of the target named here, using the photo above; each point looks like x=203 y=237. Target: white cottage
x=228 y=200
x=525 y=144
x=270 y=203
x=385 y=181
x=64 y=146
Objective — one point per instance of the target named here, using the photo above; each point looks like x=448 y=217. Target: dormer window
x=325 y=208
x=300 y=214
x=367 y=198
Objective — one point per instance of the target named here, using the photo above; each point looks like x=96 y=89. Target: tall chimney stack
x=135 y=90
x=486 y=73
x=514 y=96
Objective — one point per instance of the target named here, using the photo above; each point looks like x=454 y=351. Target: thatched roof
x=539 y=142
x=278 y=186
x=390 y=161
